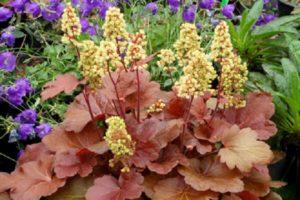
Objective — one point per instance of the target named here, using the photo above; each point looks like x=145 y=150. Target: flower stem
x=117 y=93
x=186 y=119
x=138 y=94
x=86 y=97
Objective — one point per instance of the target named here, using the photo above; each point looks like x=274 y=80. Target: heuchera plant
x=125 y=138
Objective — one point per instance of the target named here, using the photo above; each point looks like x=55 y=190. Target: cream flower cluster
x=233 y=79
x=118 y=139
x=70 y=25
x=233 y=71
x=187 y=42
x=166 y=59
x=221 y=46
x=108 y=55
x=89 y=63
x=156 y=107
x=115 y=28
x=136 y=49
x=198 y=76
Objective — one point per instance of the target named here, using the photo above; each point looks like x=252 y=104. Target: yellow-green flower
x=197 y=77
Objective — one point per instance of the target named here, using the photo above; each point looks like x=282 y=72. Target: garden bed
x=149 y=100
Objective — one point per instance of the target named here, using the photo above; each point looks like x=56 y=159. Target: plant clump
x=128 y=139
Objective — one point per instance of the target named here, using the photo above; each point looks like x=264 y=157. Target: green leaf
x=18 y=34
x=83 y=36
x=233 y=33
x=75 y=189
x=224 y=3
x=167 y=83
x=292 y=76
x=294 y=50
x=252 y=16
x=273 y=27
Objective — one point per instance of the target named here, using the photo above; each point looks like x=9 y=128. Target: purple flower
x=16 y=92
x=20 y=153
x=24 y=84
x=103 y=8
x=75 y=2
x=15 y=95
x=43 y=129
x=265 y=19
x=28 y=116
x=189 y=14
x=18 y=5
x=86 y=9
x=53 y=12
x=25 y=130
x=207 y=4
x=8 y=37
x=214 y=21
x=33 y=9
x=227 y=11
x=92 y=30
x=152 y=7
x=5 y=14
x=7 y=61
x=199 y=25
x=84 y=24
x=174 y=5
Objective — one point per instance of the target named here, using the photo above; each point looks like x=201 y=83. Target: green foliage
x=283 y=81
x=260 y=44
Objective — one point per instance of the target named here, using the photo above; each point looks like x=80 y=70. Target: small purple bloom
x=24 y=84
x=8 y=37
x=25 y=130
x=28 y=116
x=84 y=24
x=20 y=153
x=214 y=21
x=92 y=30
x=189 y=14
x=15 y=95
x=199 y=25
x=265 y=19
x=8 y=61
x=53 y=12
x=18 y=5
x=103 y=8
x=16 y=92
x=33 y=9
x=75 y=2
x=152 y=7
x=86 y=9
x=5 y=14
x=43 y=129
x=207 y=4
x=228 y=10
x=269 y=18
x=174 y=5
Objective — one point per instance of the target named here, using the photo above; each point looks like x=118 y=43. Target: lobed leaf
x=63 y=83
x=243 y=150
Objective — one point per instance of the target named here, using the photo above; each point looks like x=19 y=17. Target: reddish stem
x=122 y=58
x=218 y=102
x=138 y=94
x=117 y=93
x=86 y=97
x=186 y=119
